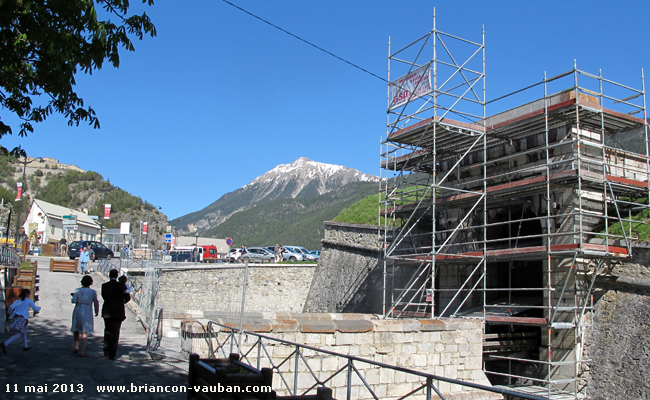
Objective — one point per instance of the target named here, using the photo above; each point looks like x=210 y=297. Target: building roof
x=57 y=212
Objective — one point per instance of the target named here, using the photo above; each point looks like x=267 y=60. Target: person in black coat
x=115 y=296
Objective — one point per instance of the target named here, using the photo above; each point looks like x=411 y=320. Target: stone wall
x=195 y=290
x=349 y=277
x=618 y=346
x=445 y=347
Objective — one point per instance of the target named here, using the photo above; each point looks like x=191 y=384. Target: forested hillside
x=78 y=190
x=290 y=221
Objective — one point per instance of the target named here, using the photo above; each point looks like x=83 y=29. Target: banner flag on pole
x=144 y=227
x=19 y=195
x=107 y=211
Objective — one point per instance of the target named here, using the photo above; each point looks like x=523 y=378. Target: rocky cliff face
x=301 y=179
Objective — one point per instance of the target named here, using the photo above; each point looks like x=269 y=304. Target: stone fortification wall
x=198 y=289
x=618 y=346
x=445 y=347
x=349 y=277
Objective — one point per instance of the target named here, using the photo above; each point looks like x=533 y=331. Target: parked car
x=315 y=253
x=182 y=256
x=289 y=255
x=301 y=250
x=234 y=254
x=100 y=250
x=257 y=254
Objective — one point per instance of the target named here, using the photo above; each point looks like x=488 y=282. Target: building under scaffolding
x=510 y=217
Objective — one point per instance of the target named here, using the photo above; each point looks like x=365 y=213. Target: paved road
x=50 y=364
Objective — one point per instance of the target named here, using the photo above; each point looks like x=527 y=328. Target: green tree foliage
x=7 y=195
x=56 y=191
x=45 y=43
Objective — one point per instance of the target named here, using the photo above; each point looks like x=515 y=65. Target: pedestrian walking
x=115 y=296
x=83 y=323
x=278 y=255
x=83 y=259
x=91 y=257
x=63 y=243
x=19 y=311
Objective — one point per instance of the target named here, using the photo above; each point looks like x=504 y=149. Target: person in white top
x=19 y=310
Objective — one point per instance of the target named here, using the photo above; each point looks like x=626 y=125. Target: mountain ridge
x=302 y=179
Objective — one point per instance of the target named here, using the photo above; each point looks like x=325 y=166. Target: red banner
x=145 y=227
x=107 y=211
x=19 y=195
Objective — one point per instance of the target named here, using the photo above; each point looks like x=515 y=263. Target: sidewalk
x=50 y=364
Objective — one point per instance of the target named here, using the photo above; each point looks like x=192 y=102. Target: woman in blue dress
x=83 y=322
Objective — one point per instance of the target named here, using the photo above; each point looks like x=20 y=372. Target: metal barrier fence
x=10 y=259
x=143 y=278
x=297 y=368
x=165 y=335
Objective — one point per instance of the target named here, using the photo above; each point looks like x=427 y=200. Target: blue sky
x=219 y=98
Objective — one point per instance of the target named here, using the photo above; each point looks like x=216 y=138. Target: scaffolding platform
x=537 y=197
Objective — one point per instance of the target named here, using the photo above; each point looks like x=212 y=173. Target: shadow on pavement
x=51 y=368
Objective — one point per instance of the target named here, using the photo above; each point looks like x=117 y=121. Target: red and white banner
x=19 y=195
x=410 y=87
x=145 y=227
x=107 y=211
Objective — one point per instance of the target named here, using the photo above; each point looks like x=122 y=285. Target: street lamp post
x=196 y=248
x=101 y=224
x=20 y=205
x=150 y=208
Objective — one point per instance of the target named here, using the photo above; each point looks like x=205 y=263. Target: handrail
x=232 y=334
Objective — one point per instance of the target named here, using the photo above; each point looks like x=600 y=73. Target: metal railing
x=298 y=377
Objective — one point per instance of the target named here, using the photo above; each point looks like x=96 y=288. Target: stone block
x=386 y=376
x=343 y=339
x=371 y=376
x=285 y=325
x=329 y=363
x=419 y=360
x=409 y=349
x=430 y=325
x=257 y=325
x=402 y=325
x=367 y=350
x=451 y=348
x=399 y=390
x=445 y=359
x=364 y=338
x=451 y=371
x=433 y=359
x=312 y=338
x=311 y=316
x=384 y=337
x=353 y=326
x=465 y=350
x=317 y=326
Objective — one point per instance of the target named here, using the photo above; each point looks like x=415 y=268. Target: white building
x=47 y=220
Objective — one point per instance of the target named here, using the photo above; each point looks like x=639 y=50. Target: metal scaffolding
x=508 y=218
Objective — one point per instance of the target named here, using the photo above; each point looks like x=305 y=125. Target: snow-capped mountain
x=302 y=179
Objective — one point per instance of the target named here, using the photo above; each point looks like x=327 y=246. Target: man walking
x=115 y=296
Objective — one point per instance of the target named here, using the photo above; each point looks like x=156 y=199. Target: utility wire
x=322 y=49
x=305 y=41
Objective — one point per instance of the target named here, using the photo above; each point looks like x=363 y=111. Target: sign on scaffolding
x=409 y=87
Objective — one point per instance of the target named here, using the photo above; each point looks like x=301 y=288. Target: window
x=52 y=229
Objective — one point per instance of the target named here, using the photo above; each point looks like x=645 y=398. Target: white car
x=301 y=250
x=234 y=255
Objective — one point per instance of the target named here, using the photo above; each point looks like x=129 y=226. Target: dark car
x=100 y=250
x=181 y=256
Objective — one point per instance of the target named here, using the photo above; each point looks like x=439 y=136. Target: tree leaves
x=43 y=44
